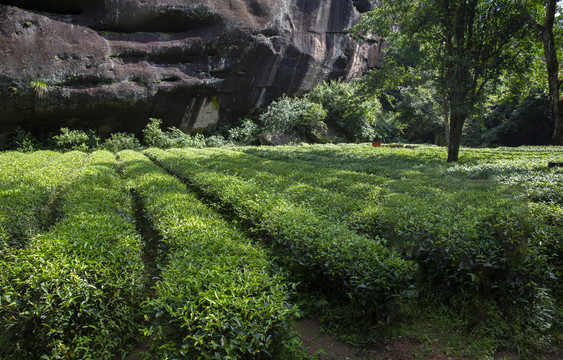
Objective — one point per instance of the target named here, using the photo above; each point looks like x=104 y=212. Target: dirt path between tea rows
x=326 y=347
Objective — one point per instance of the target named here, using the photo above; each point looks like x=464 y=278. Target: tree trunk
x=456 y=126
x=447 y=121
x=552 y=71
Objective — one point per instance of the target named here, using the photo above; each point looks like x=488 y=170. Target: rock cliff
x=112 y=64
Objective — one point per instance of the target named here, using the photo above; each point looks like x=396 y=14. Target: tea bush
x=217 y=296
x=461 y=238
x=324 y=254
x=483 y=237
x=29 y=187
x=75 y=291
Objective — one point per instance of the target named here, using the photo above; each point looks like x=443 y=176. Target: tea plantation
x=214 y=253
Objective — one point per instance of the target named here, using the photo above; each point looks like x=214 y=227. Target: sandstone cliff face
x=112 y=64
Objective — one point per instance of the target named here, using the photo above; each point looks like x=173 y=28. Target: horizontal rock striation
x=112 y=64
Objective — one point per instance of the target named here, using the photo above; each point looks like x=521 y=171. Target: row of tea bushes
x=29 y=184
x=321 y=253
x=75 y=291
x=453 y=232
x=335 y=195
x=488 y=228
x=218 y=296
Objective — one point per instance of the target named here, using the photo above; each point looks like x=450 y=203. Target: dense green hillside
x=213 y=253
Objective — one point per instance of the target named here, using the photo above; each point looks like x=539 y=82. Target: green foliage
x=218 y=297
x=293 y=116
x=40 y=88
x=29 y=185
x=24 y=141
x=464 y=48
x=478 y=243
x=121 y=141
x=352 y=113
x=526 y=121
x=75 y=290
x=216 y=141
x=246 y=133
x=154 y=136
x=469 y=227
x=76 y=140
x=320 y=253
x=418 y=114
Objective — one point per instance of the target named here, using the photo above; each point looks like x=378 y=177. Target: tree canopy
x=465 y=47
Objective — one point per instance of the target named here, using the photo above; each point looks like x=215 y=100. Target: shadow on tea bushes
x=217 y=296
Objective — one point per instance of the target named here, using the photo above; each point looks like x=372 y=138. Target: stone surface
x=112 y=64
x=278 y=139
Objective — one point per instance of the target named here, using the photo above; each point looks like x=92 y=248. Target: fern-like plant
x=40 y=88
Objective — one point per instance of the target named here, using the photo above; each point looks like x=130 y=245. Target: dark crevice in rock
x=171 y=78
x=60 y=7
x=67 y=56
x=363 y=5
x=87 y=81
x=160 y=18
x=172 y=55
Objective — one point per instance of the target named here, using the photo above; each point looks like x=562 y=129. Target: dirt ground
x=326 y=347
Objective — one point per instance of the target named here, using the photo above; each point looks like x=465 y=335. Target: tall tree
x=547 y=9
x=467 y=46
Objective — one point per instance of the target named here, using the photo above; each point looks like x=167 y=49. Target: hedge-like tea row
x=467 y=225
x=216 y=297
x=29 y=183
x=334 y=194
x=327 y=255
x=452 y=232
x=75 y=291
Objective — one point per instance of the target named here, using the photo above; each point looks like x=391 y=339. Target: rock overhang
x=114 y=64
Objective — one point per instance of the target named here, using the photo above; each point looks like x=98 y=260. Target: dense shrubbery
x=217 y=296
x=75 y=291
x=341 y=109
x=336 y=112
x=174 y=137
x=351 y=113
x=24 y=141
x=526 y=121
x=121 y=141
x=416 y=113
x=246 y=133
x=293 y=116
x=77 y=140
x=321 y=253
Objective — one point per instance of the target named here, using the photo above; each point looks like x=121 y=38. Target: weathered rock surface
x=112 y=64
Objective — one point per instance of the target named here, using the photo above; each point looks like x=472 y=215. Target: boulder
x=277 y=139
x=112 y=64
